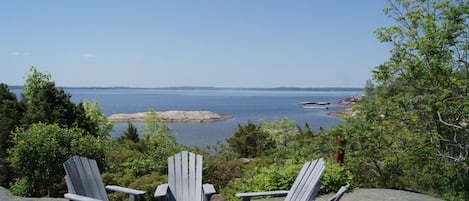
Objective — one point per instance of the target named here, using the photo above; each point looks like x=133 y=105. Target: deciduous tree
x=413 y=132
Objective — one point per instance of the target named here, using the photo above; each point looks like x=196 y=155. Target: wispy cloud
x=88 y=55
x=16 y=53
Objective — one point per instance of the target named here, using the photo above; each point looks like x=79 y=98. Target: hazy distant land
x=219 y=88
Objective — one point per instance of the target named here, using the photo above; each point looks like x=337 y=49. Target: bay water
x=242 y=104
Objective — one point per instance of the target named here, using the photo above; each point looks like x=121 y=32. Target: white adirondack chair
x=305 y=188
x=185 y=180
x=84 y=181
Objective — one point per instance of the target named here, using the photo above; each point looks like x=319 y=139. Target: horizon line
x=204 y=87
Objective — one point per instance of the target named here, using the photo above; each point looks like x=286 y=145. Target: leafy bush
x=21 y=187
x=455 y=183
x=221 y=168
x=141 y=164
x=38 y=154
x=334 y=177
x=264 y=178
x=147 y=183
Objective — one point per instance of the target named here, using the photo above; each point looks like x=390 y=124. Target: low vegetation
x=410 y=132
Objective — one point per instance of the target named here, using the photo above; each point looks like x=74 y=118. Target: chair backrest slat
x=171 y=178
x=185 y=176
x=177 y=167
x=307 y=182
x=91 y=189
x=198 y=179
x=191 y=183
x=70 y=187
x=313 y=184
x=97 y=179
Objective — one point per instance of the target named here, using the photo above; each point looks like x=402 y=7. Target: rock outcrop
x=173 y=117
x=352 y=101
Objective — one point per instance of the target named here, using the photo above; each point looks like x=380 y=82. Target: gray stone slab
x=374 y=195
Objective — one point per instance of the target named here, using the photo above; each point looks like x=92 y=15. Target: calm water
x=242 y=105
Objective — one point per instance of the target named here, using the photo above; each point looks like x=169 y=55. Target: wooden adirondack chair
x=185 y=180
x=305 y=188
x=84 y=181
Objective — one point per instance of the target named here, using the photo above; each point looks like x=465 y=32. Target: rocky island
x=173 y=117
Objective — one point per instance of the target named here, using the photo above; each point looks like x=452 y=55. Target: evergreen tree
x=46 y=103
x=131 y=133
x=250 y=140
x=10 y=115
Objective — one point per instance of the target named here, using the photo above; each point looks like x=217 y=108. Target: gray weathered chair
x=84 y=181
x=305 y=188
x=339 y=193
x=185 y=180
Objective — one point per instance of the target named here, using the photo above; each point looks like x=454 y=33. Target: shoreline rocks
x=173 y=117
x=352 y=101
x=348 y=112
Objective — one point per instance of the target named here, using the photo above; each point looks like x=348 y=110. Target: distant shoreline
x=218 y=88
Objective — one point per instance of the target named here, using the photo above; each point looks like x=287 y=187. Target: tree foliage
x=42 y=130
x=282 y=131
x=429 y=67
x=412 y=133
x=130 y=134
x=10 y=115
x=250 y=140
x=39 y=151
x=132 y=159
x=46 y=103
x=94 y=116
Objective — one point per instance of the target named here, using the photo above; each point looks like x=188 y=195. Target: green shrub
x=220 y=171
x=264 y=178
x=147 y=183
x=21 y=187
x=38 y=154
x=455 y=183
x=334 y=177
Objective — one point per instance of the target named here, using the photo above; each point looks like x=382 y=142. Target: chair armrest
x=339 y=193
x=247 y=196
x=161 y=191
x=125 y=190
x=208 y=189
x=76 y=197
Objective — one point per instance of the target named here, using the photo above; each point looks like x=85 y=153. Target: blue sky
x=221 y=43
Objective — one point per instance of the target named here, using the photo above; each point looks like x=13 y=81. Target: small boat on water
x=315 y=103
